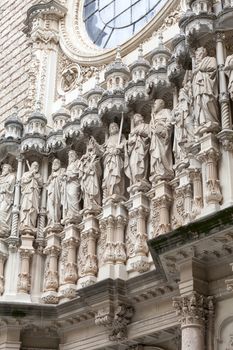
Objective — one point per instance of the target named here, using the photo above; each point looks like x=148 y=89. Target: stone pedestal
x=67 y=290
x=52 y=250
x=87 y=255
x=111 y=244
x=137 y=249
x=209 y=156
x=26 y=250
x=161 y=202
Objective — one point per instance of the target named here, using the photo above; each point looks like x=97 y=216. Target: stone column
x=223 y=93
x=52 y=250
x=42 y=27
x=161 y=203
x=42 y=213
x=111 y=245
x=209 y=156
x=109 y=256
x=120 y=254
x=67 y=290
x=136 y=237
x=26 y=250
x=191 y=311
x=24 y=276
x=87 y=255
x=14 y=236
x=197 y=192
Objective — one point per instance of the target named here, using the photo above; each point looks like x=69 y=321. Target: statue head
x=159 y=104
x=35 y=167
x=56 y=164
x=200 y=53
x=113 y=128
x=72 y=156
x=6 y=169
x=138 y=119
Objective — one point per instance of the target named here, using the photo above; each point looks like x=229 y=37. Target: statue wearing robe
x=229 y=72
x=71 y=189
x=205 y=91
x=53 y=186
x=31 y=184
x=182 y=118
x=7 y=183
x=90 y=172
x=137 y=151
x=113 y=180
x=160 y=147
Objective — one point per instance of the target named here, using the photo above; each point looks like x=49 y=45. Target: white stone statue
x=205 y=92
x=90 y=174
x=182 y=118
x=229 y=72
x=71 y=194
x=160 y=147
x=7 y=183
x=31 y=183
x=113 y=179
x=136 y=165
x=54 y=185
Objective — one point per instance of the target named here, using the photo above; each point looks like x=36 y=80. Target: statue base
x=74 y=220
x=141 y=186
x=139 y=264
x=50 y=297
x=26 y=230
x=115 y=198
x=55 y=228
x=86 y=281
x=67 y=292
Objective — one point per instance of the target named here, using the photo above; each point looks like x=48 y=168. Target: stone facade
x=116 y=191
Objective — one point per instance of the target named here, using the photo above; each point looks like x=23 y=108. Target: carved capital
x=191 y=309
x=226 y=139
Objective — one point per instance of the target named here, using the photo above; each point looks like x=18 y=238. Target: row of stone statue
x=82 y=178
x=195 y=113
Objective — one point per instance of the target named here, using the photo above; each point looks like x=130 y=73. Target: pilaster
x=209 y=156
x=111 y=244
x=136 y=240
x=51 y=282
x=87 y=256
x=26 y=250
x=42 y=28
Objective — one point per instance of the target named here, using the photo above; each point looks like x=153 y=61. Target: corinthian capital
x=190 y=309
